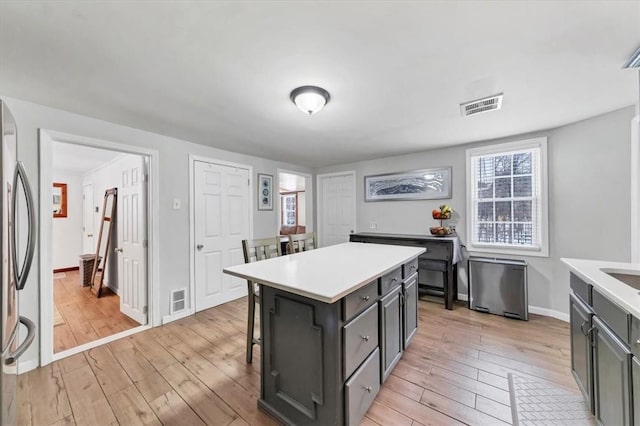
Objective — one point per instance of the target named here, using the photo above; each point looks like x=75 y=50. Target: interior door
x=221 y=222
x=88 y=245
x=131 y=249
x=337 y=208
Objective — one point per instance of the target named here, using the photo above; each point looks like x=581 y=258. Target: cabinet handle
x=368 y=389
x=365 y=298
x=394 y=279
x=365 y=338
x=582 y=327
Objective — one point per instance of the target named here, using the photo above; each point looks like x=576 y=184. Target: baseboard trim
x=175 y=317
x=549 y=313
x=72 y=268
x=27 y=365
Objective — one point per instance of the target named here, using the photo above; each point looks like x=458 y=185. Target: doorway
x=221 y=217
x=295 y=205
x=336 y=207
x=89 y=170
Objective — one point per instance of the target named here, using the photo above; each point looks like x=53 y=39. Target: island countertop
x=327 y=274
x=595 y=272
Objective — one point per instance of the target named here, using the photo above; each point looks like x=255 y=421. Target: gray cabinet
x=390 y=331
x=612 y=374
x=581 y=349
x=635 y=374
x=410 y=309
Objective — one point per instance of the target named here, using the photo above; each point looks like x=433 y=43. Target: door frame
x=309 y=199
x=320 y=202
x=45 y=137
x=635 y=188
x=192 y=228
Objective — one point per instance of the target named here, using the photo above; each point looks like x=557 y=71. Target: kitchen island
x=604 y=310
x=334 y=323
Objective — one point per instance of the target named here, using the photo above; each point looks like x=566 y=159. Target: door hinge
x=145 y=243
x=145 y=309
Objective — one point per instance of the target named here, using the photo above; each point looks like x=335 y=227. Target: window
x=507 y=198
x=289 y=209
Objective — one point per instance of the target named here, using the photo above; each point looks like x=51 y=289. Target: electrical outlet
x=373 y=225
x=176 y=203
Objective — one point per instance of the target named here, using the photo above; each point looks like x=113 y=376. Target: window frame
x=497 y=149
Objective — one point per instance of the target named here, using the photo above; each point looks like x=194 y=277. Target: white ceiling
x=289 y=182
x=79 y=159
x=220 y=73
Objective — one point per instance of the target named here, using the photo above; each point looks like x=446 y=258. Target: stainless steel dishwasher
x=498 y=286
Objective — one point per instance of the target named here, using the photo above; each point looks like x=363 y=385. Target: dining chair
x=302 y=242
x=255 y=250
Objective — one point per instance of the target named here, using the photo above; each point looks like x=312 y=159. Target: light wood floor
x=86 y=317
x=192 y=372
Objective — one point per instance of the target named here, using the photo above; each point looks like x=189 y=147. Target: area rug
x=59 y=275
x=57 y=317
x=542 y=403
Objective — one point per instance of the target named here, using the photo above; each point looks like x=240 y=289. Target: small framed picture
x=265 y=192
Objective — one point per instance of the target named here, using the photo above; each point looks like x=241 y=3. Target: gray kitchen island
x=334 y=322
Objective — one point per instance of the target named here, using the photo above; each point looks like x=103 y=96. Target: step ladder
x=96 y=288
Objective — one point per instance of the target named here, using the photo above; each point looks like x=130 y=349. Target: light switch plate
x=176 y=203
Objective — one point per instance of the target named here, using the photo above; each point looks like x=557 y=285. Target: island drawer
x=635 y=336
x=580 y=288
x=410 y=268
x=615 y=317
x=436 y=251
x=359 y=300
x=360 y=338
x=390 y=280
x=361 y=389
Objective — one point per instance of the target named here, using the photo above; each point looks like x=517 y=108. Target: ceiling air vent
x=490 y=103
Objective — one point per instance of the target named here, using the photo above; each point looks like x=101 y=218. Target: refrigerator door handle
x=31 y=334
x=21 y=277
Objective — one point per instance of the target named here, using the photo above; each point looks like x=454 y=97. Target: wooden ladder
x=97 y=288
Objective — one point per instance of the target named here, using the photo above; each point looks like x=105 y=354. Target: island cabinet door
x=390 y=331
x=581 y=347
x=635 y=374
x=612 y=371
x=410 y=309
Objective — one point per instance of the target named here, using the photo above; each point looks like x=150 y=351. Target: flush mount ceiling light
x=310 y=99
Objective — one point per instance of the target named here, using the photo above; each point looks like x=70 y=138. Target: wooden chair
x=255 y=250
x=302 y=242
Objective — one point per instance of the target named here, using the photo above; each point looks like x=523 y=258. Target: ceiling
x=220 y=73
x=289 y=182
x=79 y=159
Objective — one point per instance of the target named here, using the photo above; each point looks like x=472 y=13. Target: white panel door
x=221 y=222
x=337 y=208
x=88 y=245
x=131 y=249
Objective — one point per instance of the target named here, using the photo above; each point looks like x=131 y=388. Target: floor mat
x=542 y=403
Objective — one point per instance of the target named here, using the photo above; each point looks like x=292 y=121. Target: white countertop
x=595 y=272
x=327 y=274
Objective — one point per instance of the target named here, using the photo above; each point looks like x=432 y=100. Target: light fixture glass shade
x=310 y=99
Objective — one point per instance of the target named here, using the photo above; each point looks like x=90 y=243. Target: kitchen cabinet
x=410 y=309
x=581 y=348
x=635 y=374
x=612 y=374
x=391 y=336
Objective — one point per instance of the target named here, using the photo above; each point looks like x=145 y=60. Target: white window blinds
x=506 y=199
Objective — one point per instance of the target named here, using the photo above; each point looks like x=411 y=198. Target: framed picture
x=427 y=184
x=265 y=192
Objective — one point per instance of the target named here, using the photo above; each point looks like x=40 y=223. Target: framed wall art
x=265 y=192
x=427 y=184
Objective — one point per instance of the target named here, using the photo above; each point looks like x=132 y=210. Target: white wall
x=589 y=202
x=67 y=231
x=302 y=208
x=174 y=183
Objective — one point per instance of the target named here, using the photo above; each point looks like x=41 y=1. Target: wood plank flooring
x=192 y=372
x=86 y=317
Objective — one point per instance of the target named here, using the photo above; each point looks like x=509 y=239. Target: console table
x=442 y=254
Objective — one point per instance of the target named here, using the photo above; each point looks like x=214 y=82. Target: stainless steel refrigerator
x=16 y=262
